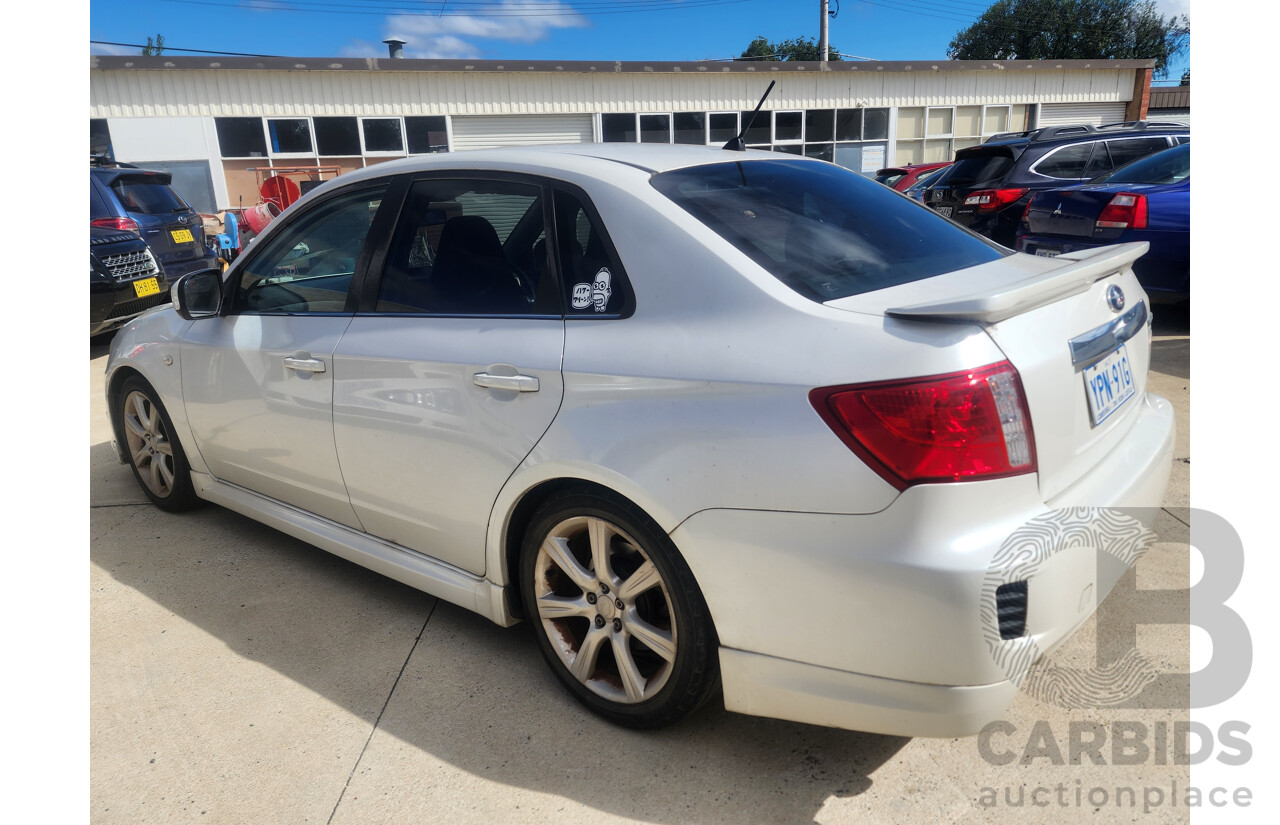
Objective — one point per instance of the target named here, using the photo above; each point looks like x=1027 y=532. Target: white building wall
x=171 y=138
x=116 y=93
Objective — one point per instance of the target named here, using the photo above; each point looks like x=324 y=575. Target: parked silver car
x=710 y=419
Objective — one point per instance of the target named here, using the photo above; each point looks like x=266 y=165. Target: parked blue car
x=1147 y=200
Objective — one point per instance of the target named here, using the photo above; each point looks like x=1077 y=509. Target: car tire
x=636 y=644
x=145 y=432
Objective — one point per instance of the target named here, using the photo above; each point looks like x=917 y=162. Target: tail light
x=1125 y=211
x=125 y=224
x=960 y=426
x=990 y=200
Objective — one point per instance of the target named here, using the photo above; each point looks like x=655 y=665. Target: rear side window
x=469 y=247
x=822 y=230
x=595 y=285
x=979 y=167
x=147 y=196
x=1171 y=166
x=1127 y=151
x=1066 y=162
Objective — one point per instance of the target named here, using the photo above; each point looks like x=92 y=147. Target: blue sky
x=538 y=29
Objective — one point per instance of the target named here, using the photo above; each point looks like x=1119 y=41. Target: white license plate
x=1046 y=252
x=1108 y=384
x=944 y=211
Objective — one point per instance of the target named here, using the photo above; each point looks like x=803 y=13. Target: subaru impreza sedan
x=721 y=425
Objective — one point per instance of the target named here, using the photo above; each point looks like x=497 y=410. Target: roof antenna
x=737 y=144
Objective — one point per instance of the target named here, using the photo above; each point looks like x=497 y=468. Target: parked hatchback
x=989 y=185
x=706 y=419
x=143 y=202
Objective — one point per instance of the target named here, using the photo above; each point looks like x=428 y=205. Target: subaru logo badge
x=1115 y=297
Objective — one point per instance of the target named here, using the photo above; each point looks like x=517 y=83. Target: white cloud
x=455 y=35
x=1174 y=8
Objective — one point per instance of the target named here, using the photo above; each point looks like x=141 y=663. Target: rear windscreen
x=978 y=168
x=822 y=230
x=148 y=196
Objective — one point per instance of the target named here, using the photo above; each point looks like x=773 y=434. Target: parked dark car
x=123 y=197
x=989 y=185
x=125 y=279
x=916 y=190
x=1147 y=200
x=902 y=177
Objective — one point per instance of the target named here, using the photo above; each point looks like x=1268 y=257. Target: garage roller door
x=1069 y=114
x=488 y=132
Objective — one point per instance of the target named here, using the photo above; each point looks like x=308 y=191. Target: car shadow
x=1171 y=344
x=471 y=694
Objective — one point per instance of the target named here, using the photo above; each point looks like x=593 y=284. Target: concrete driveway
x=240 y=676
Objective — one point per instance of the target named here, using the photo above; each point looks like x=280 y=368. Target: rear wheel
x=617 y=614
x=157 y=459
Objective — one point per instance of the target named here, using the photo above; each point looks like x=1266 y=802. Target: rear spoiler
x=1082 y=270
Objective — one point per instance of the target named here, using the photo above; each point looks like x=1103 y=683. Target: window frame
x=384 y=153
x=311 y=137
x=371 y=285
x=392 y=199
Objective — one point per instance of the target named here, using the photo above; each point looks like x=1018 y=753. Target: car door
x=450 y=373
x=258 y=381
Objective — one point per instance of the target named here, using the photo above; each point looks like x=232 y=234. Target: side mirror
x=198 y=294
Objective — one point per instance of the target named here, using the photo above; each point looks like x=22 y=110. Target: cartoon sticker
x=601 y=290
x=581 y=296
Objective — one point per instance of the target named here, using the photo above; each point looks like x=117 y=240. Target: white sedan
x=720 y=423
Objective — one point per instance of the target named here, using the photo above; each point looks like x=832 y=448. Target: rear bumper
x=876 y=622
x=767 y=686
x=176 y=269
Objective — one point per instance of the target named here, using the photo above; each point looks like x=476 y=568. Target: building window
x=336 y=136
x=241 y=137
x=788 y=127
x=290 y=136
x=933 y=134
x=382 y=135
x=427 y=134
x=724 y=127
x=655 y=128
x=861 y=139
x=618 y=127
x=690 y=127
x=758 y=132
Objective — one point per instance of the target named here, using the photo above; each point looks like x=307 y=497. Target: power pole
x=822 y=33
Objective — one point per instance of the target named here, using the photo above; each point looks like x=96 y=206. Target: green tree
x=1073 y=29
x=1186 y=78
x=153 y=49
x=797 y=48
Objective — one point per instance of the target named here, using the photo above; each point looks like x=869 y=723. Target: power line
x=169 y=48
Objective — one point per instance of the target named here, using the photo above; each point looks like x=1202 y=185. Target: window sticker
x=600 y=289
x=581 y=296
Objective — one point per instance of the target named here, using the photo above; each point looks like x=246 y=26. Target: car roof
x=590 y=159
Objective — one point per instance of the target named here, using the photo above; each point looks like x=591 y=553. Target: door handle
x=293 y=362
x=519 y=383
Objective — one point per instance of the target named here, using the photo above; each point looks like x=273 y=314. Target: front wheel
x=157 y=459
x=617 y=613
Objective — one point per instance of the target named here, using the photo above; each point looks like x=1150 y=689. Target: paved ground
x=240 y=676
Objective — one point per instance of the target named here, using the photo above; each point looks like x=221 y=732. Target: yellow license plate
x=145 y=287
x=181 y=235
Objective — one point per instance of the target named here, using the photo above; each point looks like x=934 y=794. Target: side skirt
x=421 y=572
